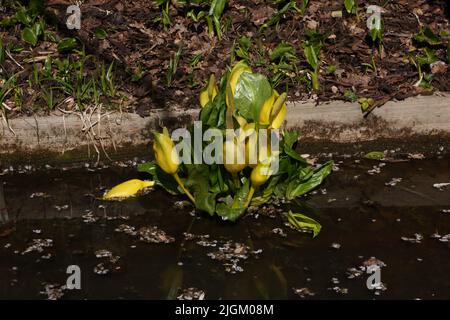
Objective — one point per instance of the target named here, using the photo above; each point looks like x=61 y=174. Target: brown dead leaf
x=438 y=67
x=261 y=14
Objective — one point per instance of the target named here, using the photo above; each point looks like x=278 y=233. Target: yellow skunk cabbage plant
x=244 y=103
x=127 y=189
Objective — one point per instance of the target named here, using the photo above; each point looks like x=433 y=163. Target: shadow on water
x=153 y=247
x=4 y=217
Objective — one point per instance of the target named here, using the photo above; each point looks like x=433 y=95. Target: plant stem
x=249 y=197
x=237 y=184
x=186 y=191
x=315 y=80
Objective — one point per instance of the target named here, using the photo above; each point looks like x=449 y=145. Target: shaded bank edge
x=418 y=124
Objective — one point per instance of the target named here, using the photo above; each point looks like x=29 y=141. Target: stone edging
x=336 y=121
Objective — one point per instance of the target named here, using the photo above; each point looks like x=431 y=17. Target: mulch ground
x=142 y=48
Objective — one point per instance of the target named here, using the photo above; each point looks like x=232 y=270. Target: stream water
x=154 y=247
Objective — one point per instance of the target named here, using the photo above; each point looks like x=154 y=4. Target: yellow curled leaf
x=165 y=155
x=279 y=103
x=238 y=69
x=279 y=118
x=260 y=174
x=204 y=98
x=127 y=189
x=246 y=131
x=209 y=92
x=237 y=153
x=241 y=120
x=266 y=110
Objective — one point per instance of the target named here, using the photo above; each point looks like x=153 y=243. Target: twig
x=14 y=60
x=5 y=118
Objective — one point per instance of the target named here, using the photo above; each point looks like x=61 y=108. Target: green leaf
x=38 y=28
x=289 y=139
x=228 y=213
x=428 y=58
x=29 y=36
x=350 y=6
x=206 y=201
x=426 y=35
x=213 y=114
x=302 y=222
x=374 y=155
x=252 y=90
x=267 y=192
x=311 y=56
x=23 y=17
x=148 y=167
x=101 y=33
x=283 y=50
x=302 y=187
x=160 y=177
x=217 y=7
x=232 y=210
x=350 y=95
x=67 y=45
x=198 y=182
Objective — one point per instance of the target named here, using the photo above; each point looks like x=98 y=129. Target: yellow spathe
x=127 y=189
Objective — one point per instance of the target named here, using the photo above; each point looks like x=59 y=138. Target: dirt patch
x=132 y=35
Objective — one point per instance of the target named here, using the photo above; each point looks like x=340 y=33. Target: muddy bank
x=419 y=124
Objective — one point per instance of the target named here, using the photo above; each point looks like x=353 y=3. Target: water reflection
x=3 y=211
x=363 y=216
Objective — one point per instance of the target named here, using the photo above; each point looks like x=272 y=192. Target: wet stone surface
x=391 y=215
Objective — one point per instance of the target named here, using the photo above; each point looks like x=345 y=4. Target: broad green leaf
x=67 y=45
x=350 y=6
x=101 y=33
x=375 y=34
x=228 y=213
x=198 y=183
x=301 y=222
x=267 y=192
x=160 y=177
x=148 y=167
x=374 y=155
x=283 y=50
x=206 y=201
x=252 y=90
x=315 y=180
x=38 y=28
x=426 y=35
x=290 y=138
x=428 y=58
x=232 y=211
x=217 y=7
x=29 y=36
x=311 y=56
x=23 y=17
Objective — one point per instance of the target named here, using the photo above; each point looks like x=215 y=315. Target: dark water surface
x=361 y=216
